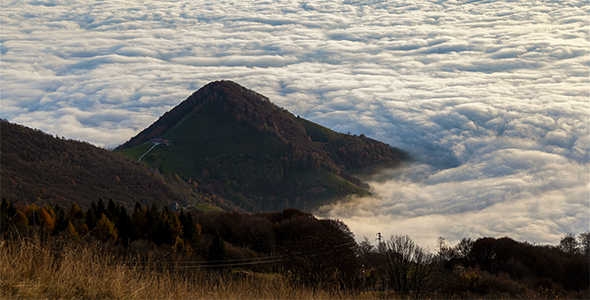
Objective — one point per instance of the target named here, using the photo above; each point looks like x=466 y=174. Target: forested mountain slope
x=39 y=168
x=224 y=148
x=233 y=142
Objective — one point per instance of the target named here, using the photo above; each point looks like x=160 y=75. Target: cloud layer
x=491 y=97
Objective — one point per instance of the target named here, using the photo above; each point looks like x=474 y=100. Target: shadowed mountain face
x=234 y=143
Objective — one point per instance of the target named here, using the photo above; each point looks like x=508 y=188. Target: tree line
x=490 y=267
x=316 y=252
x=214 y=238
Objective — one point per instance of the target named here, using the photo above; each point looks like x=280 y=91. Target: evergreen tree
x=217 y=252
x=91 y=216
x=127 y=231
x=7 y=212
x=61 y=219
x=59 y=211
x=112 y=211
x=172 y=227
x=167 y=228
x=100 y=208
x=191 y=231
x=139 y=220
x=152 y=220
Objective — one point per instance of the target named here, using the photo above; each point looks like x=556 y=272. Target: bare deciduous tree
x=410 y=269
x=584 y=238
x=569 y=243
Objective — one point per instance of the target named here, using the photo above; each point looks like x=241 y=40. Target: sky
x=491 y=98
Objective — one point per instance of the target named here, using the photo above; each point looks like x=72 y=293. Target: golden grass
x=56 y=269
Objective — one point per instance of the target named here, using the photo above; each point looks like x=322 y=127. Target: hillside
x=233 y=142
x=41 y=169
x=107 y=252
x=224 y=148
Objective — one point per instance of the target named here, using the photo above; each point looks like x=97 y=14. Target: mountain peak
x=223 y=98
x=228 y=92
x=232 y=87
x=237 y=143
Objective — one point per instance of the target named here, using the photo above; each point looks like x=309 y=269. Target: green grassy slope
x=196 y=138
x=243 y=165
x=235 y=144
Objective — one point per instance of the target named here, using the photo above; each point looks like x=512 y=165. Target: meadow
x=55 y=268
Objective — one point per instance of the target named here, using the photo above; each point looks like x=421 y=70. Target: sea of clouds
x=490 y=97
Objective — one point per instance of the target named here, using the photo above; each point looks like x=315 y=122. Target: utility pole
x=381 y=251
x=364 y=280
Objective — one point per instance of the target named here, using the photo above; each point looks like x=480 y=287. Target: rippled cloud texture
x=491 y=97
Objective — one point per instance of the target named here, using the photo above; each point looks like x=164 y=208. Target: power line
x=236 y=262
x=230 y=264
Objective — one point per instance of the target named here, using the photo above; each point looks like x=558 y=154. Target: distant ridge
x=233 y=142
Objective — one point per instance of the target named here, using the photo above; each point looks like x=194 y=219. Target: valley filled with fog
x=491 y=98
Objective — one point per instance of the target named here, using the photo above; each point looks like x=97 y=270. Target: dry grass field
x=32 y=269
x=58 y=268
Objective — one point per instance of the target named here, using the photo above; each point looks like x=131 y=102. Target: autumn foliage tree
x=46 y=219
x=105 y=229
